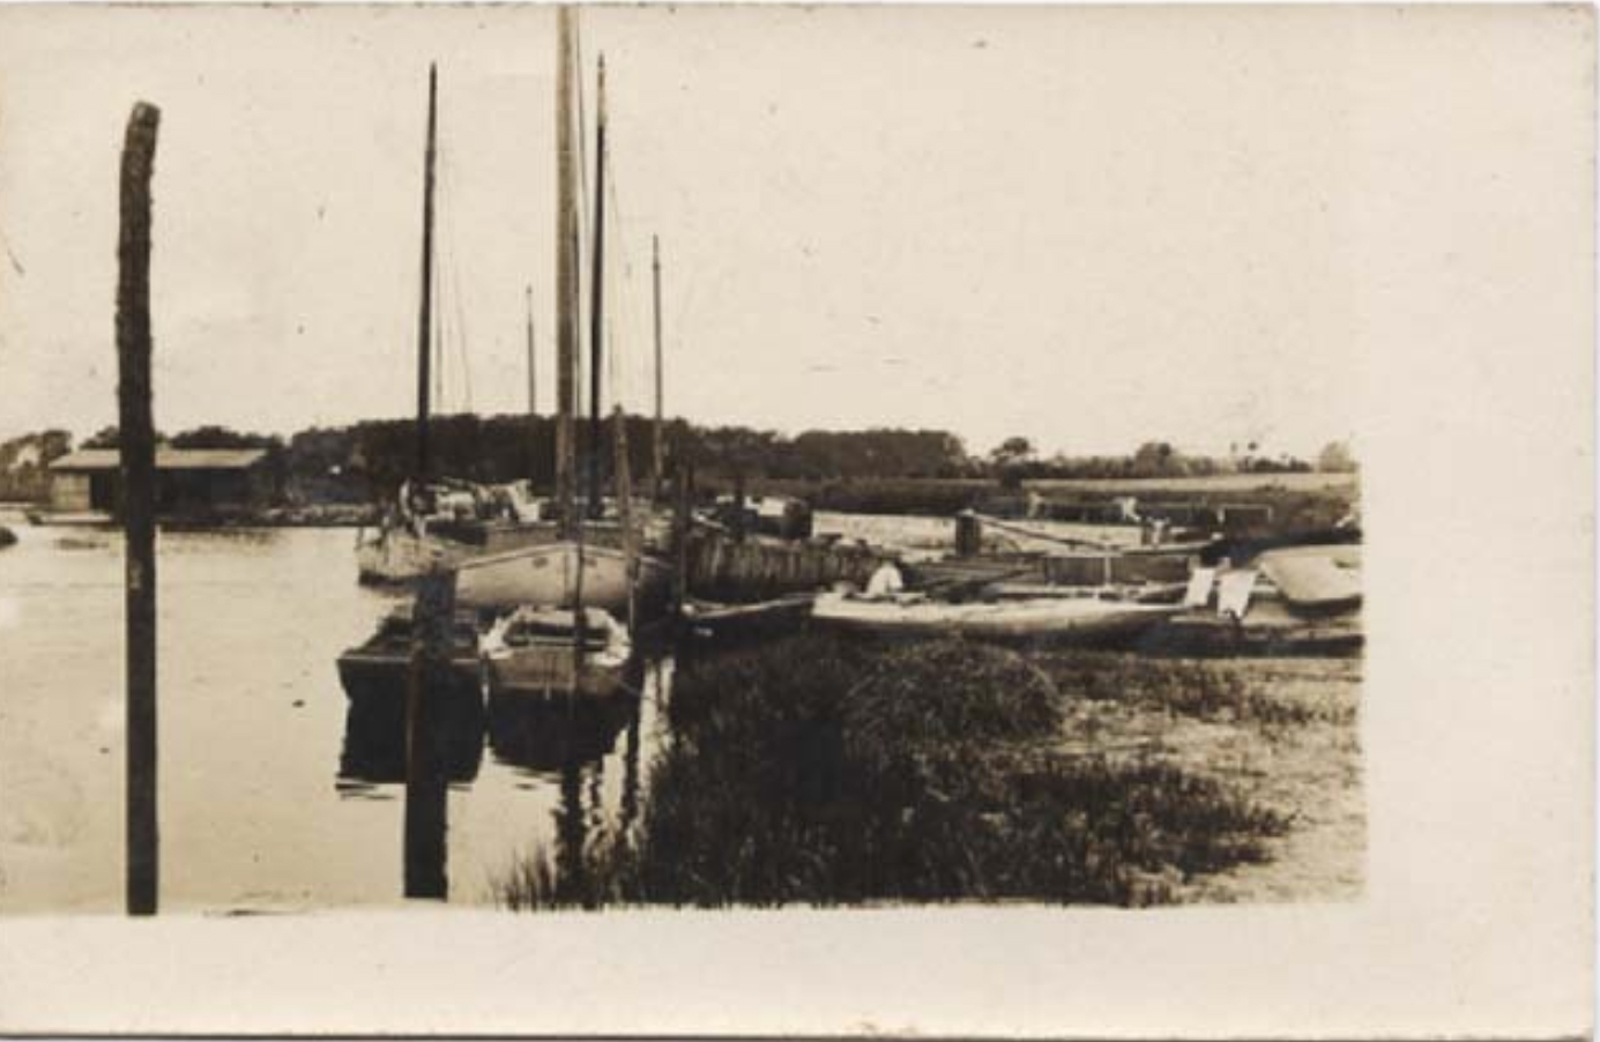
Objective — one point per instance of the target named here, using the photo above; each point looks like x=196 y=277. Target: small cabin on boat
x=188 y=481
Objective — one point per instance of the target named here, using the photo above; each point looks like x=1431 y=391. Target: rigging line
x=458 y=301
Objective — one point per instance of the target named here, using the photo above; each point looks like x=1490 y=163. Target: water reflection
x=587 y=753
x=374 y=750
x=547 y=736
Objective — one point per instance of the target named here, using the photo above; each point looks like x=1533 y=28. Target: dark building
x=187 y=480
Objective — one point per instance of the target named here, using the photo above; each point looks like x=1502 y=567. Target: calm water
x=272 y=796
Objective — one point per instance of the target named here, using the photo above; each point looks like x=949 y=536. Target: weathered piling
x=737 y=517
x=969 y=534
x=427 y=689
x=138 y=506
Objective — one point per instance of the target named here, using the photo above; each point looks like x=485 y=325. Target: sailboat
x=436 y=523
x=595 y=562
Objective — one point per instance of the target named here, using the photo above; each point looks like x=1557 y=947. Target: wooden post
x=137 y=457
x=969 y=534
x=428 y=685
x=738 y=506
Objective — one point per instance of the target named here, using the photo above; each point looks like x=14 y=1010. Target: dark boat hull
x=379 y=676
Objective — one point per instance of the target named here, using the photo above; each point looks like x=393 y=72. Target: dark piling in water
x=969 y=534
x=427 y=737
x=138 y=482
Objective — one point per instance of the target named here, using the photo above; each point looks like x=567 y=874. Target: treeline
x=23 y=463
x=367 y=460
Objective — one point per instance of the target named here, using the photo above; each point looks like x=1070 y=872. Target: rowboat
x=1270 y=629
x=378 y=669
x=1315 y=579
x=1045 y=618
x=535 y=651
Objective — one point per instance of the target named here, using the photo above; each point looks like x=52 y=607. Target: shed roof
x=166 y=459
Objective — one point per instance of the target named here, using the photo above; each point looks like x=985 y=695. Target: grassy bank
x=817 y=770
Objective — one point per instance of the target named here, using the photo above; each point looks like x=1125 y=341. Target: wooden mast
x=566 y=279
x=597 y=284
x=425 y=312
x=657 y=448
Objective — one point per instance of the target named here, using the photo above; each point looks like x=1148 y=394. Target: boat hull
x=397 y=555
x=382 y=676
x=552 y=672
x=548 y=575
x=1044 y=619
x=1316 y=580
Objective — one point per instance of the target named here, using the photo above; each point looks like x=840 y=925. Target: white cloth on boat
x=1233 y=592
x=1198 y=594
x=886 y=581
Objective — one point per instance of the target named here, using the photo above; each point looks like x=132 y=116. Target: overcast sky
x=1090 y=227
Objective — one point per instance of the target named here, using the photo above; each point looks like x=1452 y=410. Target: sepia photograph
x=536 y=462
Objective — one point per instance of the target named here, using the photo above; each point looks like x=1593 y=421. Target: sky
x=1091 y=227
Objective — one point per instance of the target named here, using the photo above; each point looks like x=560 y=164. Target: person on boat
x=886 y=581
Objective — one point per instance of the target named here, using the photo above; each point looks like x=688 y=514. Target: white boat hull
x=1033 y=619
x=549 y=575
x=397 y=556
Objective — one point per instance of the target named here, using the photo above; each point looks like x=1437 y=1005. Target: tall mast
x=566 y=277
x=425 y=314
x=597 y=289
x=656 y=447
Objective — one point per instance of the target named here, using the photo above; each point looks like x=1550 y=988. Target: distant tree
x=25 y=461
x=1015 y=449
x=1336 y=457
x=1156 y=459
x=1010 y=460
x=104 y=438
x=111 y=437
x=212 y=436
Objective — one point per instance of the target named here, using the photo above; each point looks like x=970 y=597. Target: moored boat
x=549 y=575
x=1316 y=579
x=1049 y=619
x=541 y=652
x=378 y=669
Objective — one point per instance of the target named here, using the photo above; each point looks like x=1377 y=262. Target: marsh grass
x=824 y=771
x=1202 y=689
